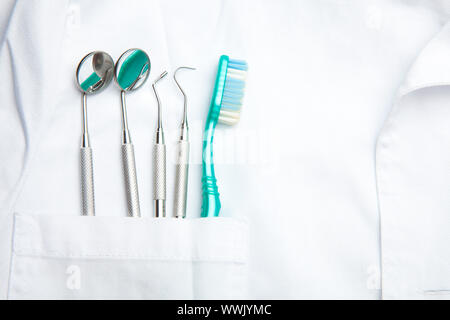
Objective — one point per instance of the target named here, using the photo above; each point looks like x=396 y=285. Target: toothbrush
x=225 y=108
x=182 y=165
x=159 y=161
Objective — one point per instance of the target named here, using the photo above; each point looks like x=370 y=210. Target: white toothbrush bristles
x=230 y=109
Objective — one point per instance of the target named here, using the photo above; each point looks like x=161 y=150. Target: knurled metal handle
x=87 y=182
x=131 y=186
x=181 y=180
x=159 y=172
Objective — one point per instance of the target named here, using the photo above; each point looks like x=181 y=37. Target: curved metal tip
x=182 y=91
x=183 y=67
x=165 y=73
x=157 y=97
x=175 y=76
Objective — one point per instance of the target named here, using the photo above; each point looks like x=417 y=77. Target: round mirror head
x=95 y=72
x=132 y=69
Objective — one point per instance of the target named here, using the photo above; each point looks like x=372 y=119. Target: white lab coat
x=334 y=184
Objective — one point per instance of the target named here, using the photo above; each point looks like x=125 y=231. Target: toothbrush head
x=229 y=90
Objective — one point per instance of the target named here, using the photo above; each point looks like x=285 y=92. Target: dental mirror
x=131 y=71
x=94 y=73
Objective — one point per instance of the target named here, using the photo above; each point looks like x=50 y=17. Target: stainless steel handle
x=87 y=182
x=181 y=180
x=159 y=178
x=129 y=171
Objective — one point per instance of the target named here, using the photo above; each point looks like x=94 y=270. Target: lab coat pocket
x=76 y=257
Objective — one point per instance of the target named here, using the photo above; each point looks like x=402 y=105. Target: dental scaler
x=159 y=161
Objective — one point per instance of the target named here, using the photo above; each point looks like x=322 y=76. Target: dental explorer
x=182 y=164
x=131 y=71
x=159 y=161
x=94 y=73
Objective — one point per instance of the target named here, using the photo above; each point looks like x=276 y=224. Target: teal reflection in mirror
x=132 y=69
x=95 y=72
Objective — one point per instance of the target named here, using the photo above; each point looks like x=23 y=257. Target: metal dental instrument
x=131 y=71
x=94 y=73
x=182 y=164
x=159 y=161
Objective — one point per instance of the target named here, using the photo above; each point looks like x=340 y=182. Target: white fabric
x=73 y=257
x=331 y=213
x=413 y=179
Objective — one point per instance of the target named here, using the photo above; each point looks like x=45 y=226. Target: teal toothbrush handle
x=211 y=200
